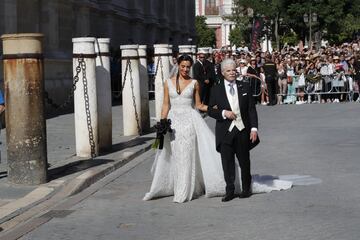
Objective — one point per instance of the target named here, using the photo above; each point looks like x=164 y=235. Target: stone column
x=10 y=16
x=86 y=133
x=51 y=26
x=103 y=89
x=227 y=27
x=24 y=97
x=144 y=89
x=131 y=97
x=223 y=35
x=109 y=24
x=83 y=21
x=162 y=74
x=135 y=31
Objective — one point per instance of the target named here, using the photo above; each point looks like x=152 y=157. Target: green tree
x=289 y=38
x=236 y=37
x=205 y=35
x=337 y=20
x=269 y=10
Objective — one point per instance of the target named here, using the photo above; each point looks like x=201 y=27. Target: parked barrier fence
x=337 y=85
x=313 y=87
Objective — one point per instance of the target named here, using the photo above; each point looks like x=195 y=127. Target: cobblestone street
x=316 y=140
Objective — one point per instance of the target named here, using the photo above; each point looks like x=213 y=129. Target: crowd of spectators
x=296 y=75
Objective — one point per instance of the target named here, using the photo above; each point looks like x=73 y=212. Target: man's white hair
x=227 y=62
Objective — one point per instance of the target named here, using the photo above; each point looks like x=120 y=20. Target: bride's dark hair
x=185 y=57
x=182 y=58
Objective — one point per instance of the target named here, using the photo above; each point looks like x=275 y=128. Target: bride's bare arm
x=166 y=102
x=198 y=104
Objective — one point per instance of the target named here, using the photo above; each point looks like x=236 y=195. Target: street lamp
x=312 y=17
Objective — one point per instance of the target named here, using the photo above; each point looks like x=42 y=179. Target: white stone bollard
x=84 y=48
x=144 y=89
x=131 y=97
x=173 y=66
x=193 y=50
x=103 y=88
x=170 y=56
x=162 y=74
x=185 y=49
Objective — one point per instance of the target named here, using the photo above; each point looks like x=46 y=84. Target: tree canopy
x=337 y=20
x=205 y=35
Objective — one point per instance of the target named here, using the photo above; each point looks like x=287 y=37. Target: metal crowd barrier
x=318 y=85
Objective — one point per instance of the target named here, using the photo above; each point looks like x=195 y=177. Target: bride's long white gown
x=188 y=166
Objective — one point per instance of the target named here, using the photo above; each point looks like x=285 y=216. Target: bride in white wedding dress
x=188 y=166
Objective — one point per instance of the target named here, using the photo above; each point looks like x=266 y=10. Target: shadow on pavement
x=123 y=145
x=75 y=167
x=3 y=175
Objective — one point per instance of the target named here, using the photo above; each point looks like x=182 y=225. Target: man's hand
x=207 y=81
x=230 y=115
x=253 y=136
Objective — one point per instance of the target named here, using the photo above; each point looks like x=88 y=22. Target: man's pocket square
x=215 y=107
x=244 y=94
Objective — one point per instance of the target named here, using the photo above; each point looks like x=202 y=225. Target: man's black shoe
x=245 y=194
x=228 y=197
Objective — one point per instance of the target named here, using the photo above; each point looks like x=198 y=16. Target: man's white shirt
x=234 y=104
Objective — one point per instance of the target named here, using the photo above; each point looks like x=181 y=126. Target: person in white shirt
x=233 y=106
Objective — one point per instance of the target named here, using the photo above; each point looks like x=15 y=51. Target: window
x=211 y=8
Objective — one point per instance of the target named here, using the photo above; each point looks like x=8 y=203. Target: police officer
x=270 y=72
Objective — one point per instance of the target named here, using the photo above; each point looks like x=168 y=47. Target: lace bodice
x=184 y=99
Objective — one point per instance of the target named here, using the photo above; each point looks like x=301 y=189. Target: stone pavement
x=68 y=173
x=317 y=140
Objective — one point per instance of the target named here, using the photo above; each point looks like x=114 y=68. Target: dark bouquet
x=162 y=128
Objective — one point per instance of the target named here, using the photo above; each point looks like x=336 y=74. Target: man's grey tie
x=232 y=90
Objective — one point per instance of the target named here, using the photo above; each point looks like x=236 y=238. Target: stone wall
x=124 y=21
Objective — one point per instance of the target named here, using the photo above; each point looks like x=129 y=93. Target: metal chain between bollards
x=159 y=63
x=128 y=63
x=71 y=94
x=80 y=67
x=87 y=110
x=134 y=99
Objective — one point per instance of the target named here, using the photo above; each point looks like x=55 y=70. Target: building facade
x=124 y=21
x=216 y=12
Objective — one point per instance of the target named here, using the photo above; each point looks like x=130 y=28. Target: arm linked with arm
x=200 y=106
x=213 y=109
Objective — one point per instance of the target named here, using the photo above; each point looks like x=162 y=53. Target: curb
x=89 y=177
x=57 y=190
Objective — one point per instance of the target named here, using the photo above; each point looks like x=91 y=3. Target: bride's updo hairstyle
x=181 y=59
x=185 y=57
